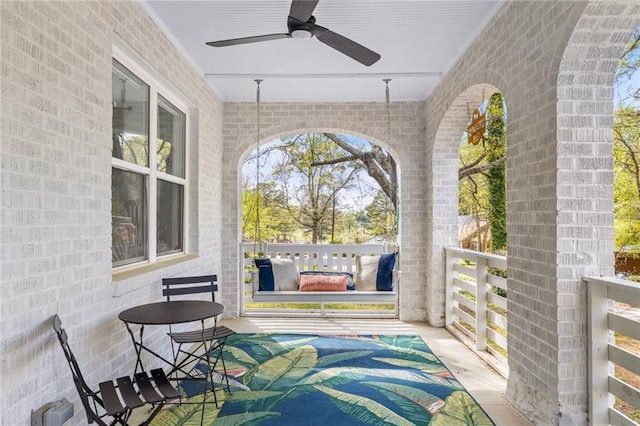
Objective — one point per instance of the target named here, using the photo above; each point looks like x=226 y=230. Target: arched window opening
x=320 y=188
x=626 y=153
x=482 y=207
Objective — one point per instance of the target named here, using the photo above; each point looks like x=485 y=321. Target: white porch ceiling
x=419 y=41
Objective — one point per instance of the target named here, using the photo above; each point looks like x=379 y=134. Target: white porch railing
x=476 y=303
x=613 y=306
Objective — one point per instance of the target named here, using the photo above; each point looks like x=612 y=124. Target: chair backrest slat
x=189 y=280
x=189 y=290
x=190 y=285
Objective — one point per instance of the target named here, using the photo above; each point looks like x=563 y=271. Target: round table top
x=173 y=312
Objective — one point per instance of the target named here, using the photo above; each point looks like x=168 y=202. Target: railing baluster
x=449 y=291
x=481 y=303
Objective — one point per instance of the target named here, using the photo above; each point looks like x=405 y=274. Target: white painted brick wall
x=55 y=181
x=559 y=182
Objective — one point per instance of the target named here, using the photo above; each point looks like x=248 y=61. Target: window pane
x=170 y=217
x=128 y=217
x=171 y=136
x=130 y=123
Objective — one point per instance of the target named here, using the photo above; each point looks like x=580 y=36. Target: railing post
x=598 y=353
x=481 y=303
x=448 y=298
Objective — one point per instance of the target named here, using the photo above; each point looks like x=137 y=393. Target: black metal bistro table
x=171 y=313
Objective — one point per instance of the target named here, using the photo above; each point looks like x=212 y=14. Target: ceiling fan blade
x=245 y=40
x=342 y=44
x=302 y=9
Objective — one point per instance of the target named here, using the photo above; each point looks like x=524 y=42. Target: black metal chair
x=195 y=340
x=117 y=400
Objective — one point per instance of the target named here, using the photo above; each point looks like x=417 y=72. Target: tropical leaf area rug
x=294 y=379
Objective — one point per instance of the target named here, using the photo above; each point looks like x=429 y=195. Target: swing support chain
x=257 y=240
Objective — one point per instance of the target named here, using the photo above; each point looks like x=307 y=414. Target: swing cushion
x=375 y=273
x=348 y=275
x=277 y=275
x=323 y=283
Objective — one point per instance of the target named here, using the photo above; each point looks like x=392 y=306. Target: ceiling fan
x=302 y=25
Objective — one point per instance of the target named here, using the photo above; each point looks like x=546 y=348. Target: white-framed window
x=149 y=168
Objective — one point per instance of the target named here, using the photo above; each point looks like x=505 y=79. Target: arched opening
x=320 y=188
x=445 y=187
x=324 y=202
x=476 y=308
x=626 y=201
x=626 y=161
x=482 y=178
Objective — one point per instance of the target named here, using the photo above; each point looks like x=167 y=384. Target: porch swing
x=321 y=273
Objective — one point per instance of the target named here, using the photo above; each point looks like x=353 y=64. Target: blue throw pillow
x=265 y=274
x=384 y=278
x=349 y=275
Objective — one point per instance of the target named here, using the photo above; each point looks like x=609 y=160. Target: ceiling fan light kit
x=301 y=25
x=301 y=34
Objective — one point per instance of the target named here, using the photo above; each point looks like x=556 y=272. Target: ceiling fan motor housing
x=300 y=30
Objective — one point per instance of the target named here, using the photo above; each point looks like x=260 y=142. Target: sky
x=625 y=86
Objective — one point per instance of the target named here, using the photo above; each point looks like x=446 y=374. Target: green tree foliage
x=380 y=165
x=626 y=152
x=496 y=146
x=313 y=179
x=482 y=187
x=381 y=218
x=473 y=198
x=630 y=59
x=310 y=180
x=275 y=222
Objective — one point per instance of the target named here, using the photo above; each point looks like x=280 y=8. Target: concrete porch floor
x=486 y=386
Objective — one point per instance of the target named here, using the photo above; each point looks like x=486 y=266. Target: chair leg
x=207 y=378
x=224 y=366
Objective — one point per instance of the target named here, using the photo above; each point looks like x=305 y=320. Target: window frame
x=157 y=86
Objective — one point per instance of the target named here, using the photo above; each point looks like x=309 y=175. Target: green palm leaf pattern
x=236 y=357
x=415 y=354
x=236 y=384
x=460 y=409
x=340 y=375
x=264 y=346
x=283 y=371
x=425 y=367
x=189 y=414
x=364 y=409
x=402 y=341
x=245 y=419
x=328 y=360
x=251 y=395
x=415 y=402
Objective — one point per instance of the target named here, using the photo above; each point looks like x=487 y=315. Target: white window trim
x=157 y=85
